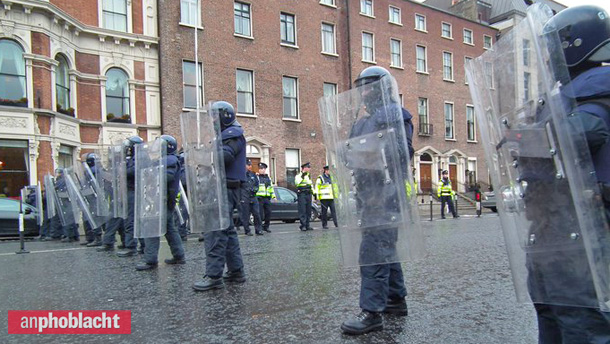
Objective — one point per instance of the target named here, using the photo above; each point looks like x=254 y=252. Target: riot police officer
x=382 y=288
x=249 y=202
x=183 y=227
x=445 y=193
x=93 y=235
x=130 y=243
x=222 y=247
x=264 y=194
x=304 y=191
x=151 y=246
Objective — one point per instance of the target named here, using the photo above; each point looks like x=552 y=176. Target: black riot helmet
x=584 y=32
x=379 y=81
x=172 y=144
x=129 y=144
x=225 y=112
x=90 y=159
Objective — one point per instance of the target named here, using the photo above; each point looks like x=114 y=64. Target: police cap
x=262 y=165
x=307 y=164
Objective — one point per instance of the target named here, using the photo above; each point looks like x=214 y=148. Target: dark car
x=489 y=201
x=285 y=207
x=9 y=218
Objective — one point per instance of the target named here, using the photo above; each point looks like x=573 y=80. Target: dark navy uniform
x=249 y=203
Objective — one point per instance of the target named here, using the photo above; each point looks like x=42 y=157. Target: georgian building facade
x=74 y=76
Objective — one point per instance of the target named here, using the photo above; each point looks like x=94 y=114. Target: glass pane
x=114 y=106
x=188 y=73
x=292 y=158
x=189 y=97
x=12 y=87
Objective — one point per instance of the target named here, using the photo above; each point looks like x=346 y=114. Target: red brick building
x=74 y=75
x=274 y=59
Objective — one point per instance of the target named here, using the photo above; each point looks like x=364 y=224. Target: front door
x=425 y=177
x=255 y=162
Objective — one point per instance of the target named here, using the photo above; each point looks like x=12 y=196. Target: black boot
x=209 y=283
x=234 y=276
x=95 y=243
x=362 y=323
x=106 y=248
x=397 y=307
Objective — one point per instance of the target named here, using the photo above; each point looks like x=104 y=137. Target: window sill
x=420 y=72
x=246 y=115
x=288 y=45
x=452 y=140
x=291 y=120
x=329 y=54
x=398 y=67
x=242 y=36
x=490 y=48
x=190 y=26
x=470 y=44
x=422 y=31
x=449 y=80
x=447 y=38
x=393 y=23
x=328 y=5
x=369 y=62
x=469 y=141
x=367 y=15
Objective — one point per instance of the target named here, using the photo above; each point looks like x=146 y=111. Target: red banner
x=69 y=322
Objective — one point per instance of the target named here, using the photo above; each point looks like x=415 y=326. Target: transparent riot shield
x=205 y=173
x=49 y=194
x=365 y=135
x=182 y=205
x=548 y=199
x=111 y=176
x=65 y=204
x=85 y=190
x=32 y=196
x=151 y=190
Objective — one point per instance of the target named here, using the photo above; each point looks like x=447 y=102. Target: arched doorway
x=425 y=173
x=453 y=172
x=254 y=154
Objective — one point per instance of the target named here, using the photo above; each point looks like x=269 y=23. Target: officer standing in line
x=151 y=246
x=445 y=193
x=304 y=191
x=249 y=202
x=222 y=247
x=130 y=243
x=93 y=235
x=183 y=228
x=70 y=232
x=55 y=231
x=114 y=225
x=264 y=194
x=325 y=188
x=382 y=288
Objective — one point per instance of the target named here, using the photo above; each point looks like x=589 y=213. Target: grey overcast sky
x=605 y=4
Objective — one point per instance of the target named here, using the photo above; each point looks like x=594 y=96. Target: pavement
x=460 y=291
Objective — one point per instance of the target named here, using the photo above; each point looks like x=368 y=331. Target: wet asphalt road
x=459 y=292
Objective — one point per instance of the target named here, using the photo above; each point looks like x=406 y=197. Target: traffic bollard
x=21 y=226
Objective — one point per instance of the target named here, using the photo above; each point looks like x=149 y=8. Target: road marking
x=46 y=251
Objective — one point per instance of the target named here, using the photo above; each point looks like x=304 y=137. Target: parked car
x=489 y=201
x=9 y=218
x=285 y=207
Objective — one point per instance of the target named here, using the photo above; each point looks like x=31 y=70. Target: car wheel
x=314 y=215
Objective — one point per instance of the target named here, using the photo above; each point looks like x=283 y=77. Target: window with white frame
x=190 y=91
x=368 y=48
x=328 y=39
x=114 y=13
x=396 y=53
x=290 y=95
x=328 y=2
x=366 y=7
x=466 y=62
x=420 y=22
x=446 y=30
x=117 y=94
x=447 y=66
x=288 y=28
x=330 y=89
x=487 y=42
x=422 y=112
x=468 y=37
x=526 y=86
x=293 y=164
x=62 y=83
x=470 y=123
x=189 y=12
x=12 y=71
x=395 y=17
x=245 y=91
x=241 y=14
x=449 y=121
x=421 y=59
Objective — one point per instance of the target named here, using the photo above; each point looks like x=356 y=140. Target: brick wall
x=83 y=10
